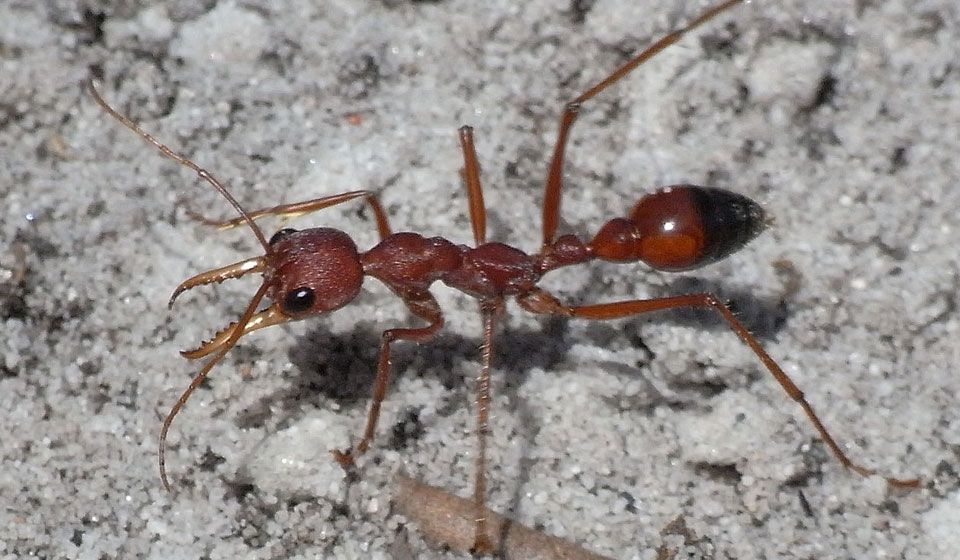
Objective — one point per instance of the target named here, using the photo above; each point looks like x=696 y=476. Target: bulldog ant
x=317 y=270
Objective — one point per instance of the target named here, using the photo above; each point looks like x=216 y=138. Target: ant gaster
x=314 y=271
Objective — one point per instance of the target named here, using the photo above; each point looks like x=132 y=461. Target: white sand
x=841 y=120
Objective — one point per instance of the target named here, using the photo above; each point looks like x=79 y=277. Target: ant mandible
x=317 y=270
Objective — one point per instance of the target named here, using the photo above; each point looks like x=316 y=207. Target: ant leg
x=539 y=301
x=296 y=209
x=423 y=305
x=551 y=196
x=471 y=176
x=482 y=543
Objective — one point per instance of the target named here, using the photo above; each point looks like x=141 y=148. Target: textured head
x=313 y=271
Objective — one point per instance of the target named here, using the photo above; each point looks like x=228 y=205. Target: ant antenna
x=182 y=160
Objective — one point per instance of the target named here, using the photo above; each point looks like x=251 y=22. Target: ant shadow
x=342 y=367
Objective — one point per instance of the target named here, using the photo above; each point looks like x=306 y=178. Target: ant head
x=313 y=271
x=305 y=273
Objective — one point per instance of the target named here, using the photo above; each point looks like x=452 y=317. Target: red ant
x=317 y=270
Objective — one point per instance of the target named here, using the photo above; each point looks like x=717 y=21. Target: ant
x=314 y=271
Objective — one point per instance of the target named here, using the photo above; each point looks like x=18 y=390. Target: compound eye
x=298 y=300
x=282 y=234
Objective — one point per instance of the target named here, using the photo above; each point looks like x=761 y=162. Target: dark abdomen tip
x=686 y=226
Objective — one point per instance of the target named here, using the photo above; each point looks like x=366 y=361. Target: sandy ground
x=840 y=117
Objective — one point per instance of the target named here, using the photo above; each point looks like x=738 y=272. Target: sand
x=841 y=120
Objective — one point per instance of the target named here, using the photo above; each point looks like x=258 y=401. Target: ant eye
x=298 y=300
x=282 y=234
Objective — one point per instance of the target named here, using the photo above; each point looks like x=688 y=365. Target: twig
x=449 y=520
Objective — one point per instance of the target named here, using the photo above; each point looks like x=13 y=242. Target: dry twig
x=450 y=520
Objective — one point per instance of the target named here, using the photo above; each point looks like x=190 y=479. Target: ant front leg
x=541 y=302
x=296 y=209
x=423 y=305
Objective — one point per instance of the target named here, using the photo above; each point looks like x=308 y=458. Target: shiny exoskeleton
x=314 y=271
x=676 y=228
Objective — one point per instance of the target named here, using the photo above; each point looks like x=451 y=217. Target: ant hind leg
x=541 y=302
